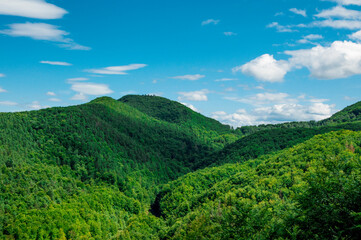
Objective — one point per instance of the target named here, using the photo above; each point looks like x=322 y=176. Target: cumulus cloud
x=355 y=36
x=194 y=96
x=116 y=70
x=8 y=103
x=280 y=28
x=88 y=88
x=277 y=113
x=35 y=105
x=210 y=21
x=237 y=119
x=79 y=97
x=347 y=2
x=339 y=12
x=56 y=63
x=54 y=100
x=2 y=75
x=190 y=106
x=189 y=77
x=51 y=94
x=340 y=60
x=265 y=68
x=310 y=37
x=337 y=24
x=301 y=12
x=2 y=90
x=42 y=31
x=31 y=8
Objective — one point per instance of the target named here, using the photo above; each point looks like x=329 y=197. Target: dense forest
x=145 y=167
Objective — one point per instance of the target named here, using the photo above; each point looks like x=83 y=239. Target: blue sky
x=242 y=62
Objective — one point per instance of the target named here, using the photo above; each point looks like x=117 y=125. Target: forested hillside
x=132 y=169
x=208 y=129
x=101 y=155
x=310 y=191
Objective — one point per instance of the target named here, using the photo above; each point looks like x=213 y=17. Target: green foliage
x=305 y=192
x=268 y=141
x=123 y=170
x=56 y=162
x=209 y=130
x=349 y=114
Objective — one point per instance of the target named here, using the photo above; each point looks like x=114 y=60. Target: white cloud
x=8 y=103
x=210 y=21
x=56 y=63
x=79 y=97
x=310 y=37
x=51 y=94
x=194 y=96
x=38 y=31
x=35 y=105
x=265 y=68
x=230 y=34
x=2 y=75
x=190 y=106
x=347 y=2
x=277 y=113
x=280 y=28
x=190 y=77
x=338 y=24
x=31 y=8
x=77 y=79
x=91 y=88
x=355 y=36
x=42 y=31
x=54 y=100
x=225 y=79
x=74 y=46
x=339 y=12
x=348 y=98
x=236 y=119
x=2 y=90
x=116 y=70
x=340 y=60
x=299 y=12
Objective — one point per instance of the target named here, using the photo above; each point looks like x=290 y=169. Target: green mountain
x=268 y=141
x=349 y=114
x=142 y=168
x=86 y=157
x=310 y=191
x=208 y=129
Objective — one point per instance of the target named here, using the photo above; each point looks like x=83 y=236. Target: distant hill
x=349 y=114
x=268 y=141
x=177 y=113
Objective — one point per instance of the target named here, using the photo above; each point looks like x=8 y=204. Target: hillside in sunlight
x=146 y=167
